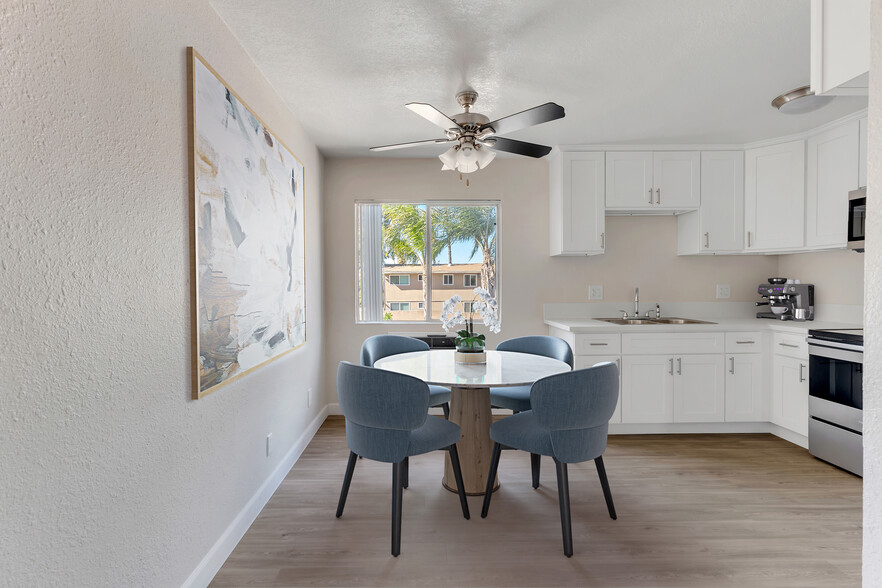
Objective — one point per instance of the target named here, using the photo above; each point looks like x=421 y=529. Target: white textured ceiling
x=628 y=71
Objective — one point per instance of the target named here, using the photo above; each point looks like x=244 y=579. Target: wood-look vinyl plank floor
x=694 y=510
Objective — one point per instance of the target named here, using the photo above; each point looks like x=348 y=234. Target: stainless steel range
x=836 y=358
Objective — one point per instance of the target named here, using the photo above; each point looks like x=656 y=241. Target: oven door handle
x=835 y=353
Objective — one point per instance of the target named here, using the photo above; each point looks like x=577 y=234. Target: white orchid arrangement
x=486 y=307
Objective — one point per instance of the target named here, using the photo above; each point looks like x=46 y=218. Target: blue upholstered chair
x=380 y=346
x=387 y=420
x=517 y=398
x=569 y=422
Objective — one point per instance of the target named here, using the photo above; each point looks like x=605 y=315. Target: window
x=400 y=240
x=399 y=280
x=470 y=280
x=468 y=307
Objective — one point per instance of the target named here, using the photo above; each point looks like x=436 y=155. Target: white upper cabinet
x=676 y=179
x=629 y=180
x=862 y=152
x=832 y=171
x=840 y=41
x=718 y=225
x=645 y=180
x=774 y=197
x=576 y=197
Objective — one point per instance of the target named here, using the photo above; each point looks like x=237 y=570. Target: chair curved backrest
x=553 y=347
x=576 y=407
x=381 y=409
x=380 y=346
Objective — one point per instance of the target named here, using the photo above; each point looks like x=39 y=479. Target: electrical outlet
x=269 y=444
x=595 y=292
x=309 y=398
x=723 y=291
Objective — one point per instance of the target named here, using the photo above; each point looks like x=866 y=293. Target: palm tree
x=479 y=224
x=404 y=237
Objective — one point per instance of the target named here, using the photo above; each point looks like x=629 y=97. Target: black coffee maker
x=788 y=300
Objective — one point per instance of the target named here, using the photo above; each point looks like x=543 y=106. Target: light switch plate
x=723 y=291
x=595 y=292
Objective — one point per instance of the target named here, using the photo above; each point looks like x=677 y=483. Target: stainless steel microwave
x=857 y=216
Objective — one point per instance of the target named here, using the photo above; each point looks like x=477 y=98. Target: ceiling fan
x=476 y=136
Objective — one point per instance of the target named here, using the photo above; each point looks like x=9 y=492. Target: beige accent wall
x=838 y=276
x=641 y=251
x=110 y=475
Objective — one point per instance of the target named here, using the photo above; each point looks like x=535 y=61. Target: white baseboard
x=223 y=547
x=334 y=408
x=788 y=435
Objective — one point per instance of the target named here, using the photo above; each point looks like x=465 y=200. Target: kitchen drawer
x=598 y=344
x=790 y=345
x=746 y=342
x=672 y=343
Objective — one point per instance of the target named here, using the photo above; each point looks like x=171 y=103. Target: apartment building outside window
x=408 y=256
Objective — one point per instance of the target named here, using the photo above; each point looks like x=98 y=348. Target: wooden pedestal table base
x=470 y=409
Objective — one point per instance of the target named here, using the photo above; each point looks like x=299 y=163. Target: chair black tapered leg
x=534 y=465
x=397 y=474
x=563 y=496
x=457 y=474
x=604 y=483
x=446 y=408
x=405 y=478
x=491 y=477
x=347 y=479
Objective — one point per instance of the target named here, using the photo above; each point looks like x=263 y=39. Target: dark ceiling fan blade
x=527 y=118
x=433 y=115
x=413 y=144
x=517 y=147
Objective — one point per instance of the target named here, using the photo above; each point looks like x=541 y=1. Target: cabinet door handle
x=650 y=195
x=745 y=342
x=732 y=365
x=801 y=377
x=619 y=364
x=748 y=239
x=603 y=240
x=789 y=345
x=658 y=195
x=679 y=366
x=671 y=367
x=706 y=240
x=604 y=344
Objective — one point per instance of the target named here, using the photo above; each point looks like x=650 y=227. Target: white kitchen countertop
x=588 y=325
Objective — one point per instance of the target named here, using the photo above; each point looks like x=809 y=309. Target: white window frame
x=444 y=279
x=465 y=277
x=421 y=306
x=365 y=256
x=399 y=276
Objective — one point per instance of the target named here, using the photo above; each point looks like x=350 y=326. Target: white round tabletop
x=503 y=368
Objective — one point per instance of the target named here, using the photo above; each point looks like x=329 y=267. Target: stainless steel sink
x=681 y=321
x=655 y=321
x=629 y=321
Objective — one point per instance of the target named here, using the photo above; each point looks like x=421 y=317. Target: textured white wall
x=872 y=557
x=109 y=473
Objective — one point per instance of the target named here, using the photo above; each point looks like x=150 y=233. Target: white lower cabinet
x=586 y=361
x=647 y=389
x=668 y=389
x=745 y=401
x=699 y=389
x=790 y=392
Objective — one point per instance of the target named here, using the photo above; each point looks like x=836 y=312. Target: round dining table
x=470 y=399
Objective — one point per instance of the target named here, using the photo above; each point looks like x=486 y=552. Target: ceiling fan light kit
x=476 y=137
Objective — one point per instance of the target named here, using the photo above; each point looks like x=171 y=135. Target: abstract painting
x=249 y=291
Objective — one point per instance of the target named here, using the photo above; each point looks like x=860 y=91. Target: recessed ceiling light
x=800 y=101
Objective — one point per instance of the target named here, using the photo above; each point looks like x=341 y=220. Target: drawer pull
x=732 y=364
x=745 y=342
x=789 y=345
x=671 y=367
x=599 y=344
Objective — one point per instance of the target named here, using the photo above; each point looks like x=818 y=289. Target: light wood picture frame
x=248 y=276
